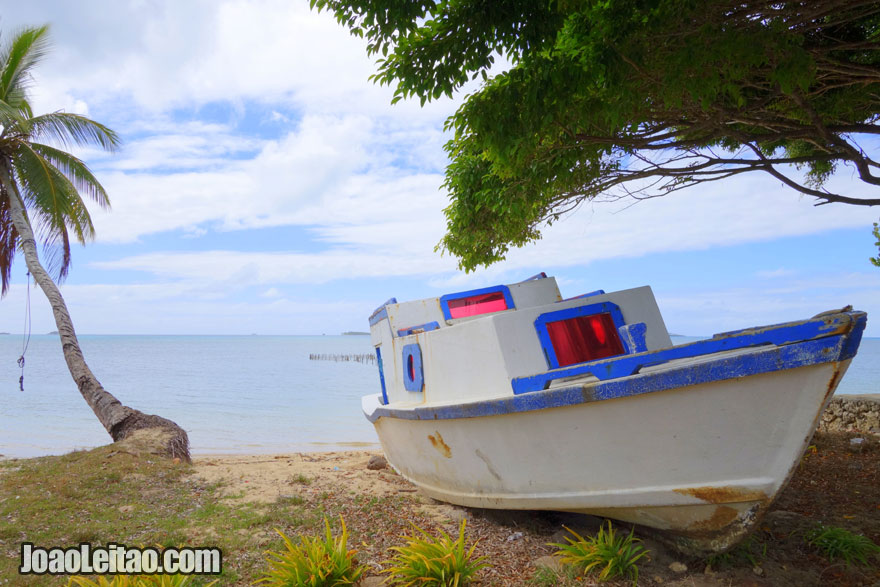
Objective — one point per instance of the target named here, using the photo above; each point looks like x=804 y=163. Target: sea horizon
x=232 y=393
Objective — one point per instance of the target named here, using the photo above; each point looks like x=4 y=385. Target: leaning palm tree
x=41 y=187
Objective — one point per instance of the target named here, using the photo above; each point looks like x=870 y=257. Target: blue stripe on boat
x=426 y=327
x=381 y=312
x=623 y=366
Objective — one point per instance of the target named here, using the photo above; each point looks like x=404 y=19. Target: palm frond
x=73 y=129
x=76 y=171
x=50 y=194
x=8 y=243
x=12 y=117
x=27 y=48
x=57 y=257
x=54 y=206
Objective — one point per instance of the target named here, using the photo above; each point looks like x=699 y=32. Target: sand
x=266 y=478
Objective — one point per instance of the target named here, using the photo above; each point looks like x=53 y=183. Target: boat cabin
x=473 y=345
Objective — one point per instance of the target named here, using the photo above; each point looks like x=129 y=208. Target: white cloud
x=164 y=54
x=273 y=268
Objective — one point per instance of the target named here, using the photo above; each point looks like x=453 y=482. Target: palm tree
x=41 y=188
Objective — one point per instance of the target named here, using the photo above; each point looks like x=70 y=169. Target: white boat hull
x=511 y=397
x=703 y=461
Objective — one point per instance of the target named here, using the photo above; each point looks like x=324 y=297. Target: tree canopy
x=608 y=98
x=49 y=180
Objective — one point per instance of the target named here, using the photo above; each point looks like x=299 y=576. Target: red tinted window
x=478 y=304
x=585 y=338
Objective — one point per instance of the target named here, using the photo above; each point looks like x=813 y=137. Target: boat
x=511 y=397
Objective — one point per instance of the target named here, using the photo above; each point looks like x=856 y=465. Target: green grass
x=434 y=561
x=838 y=544
x=608 y=554
x=301 y=479
x=567 y=576
x=108 y=495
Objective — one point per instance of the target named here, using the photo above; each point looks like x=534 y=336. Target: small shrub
x=608 y=553
x=434 y=562
x=837 y=543
x=314 y=562
x=548 y=577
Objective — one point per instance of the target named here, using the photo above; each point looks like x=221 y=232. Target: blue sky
x=266 y=186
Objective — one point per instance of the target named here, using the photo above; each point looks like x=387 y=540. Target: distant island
x=54 y=332
x=354 y=333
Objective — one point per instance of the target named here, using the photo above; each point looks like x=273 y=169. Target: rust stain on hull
x=722 y=494
x=438 y=443
x=722 y=517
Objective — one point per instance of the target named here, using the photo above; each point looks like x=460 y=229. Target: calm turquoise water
x=244 y=394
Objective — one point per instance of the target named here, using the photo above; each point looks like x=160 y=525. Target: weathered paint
x=426 y=327
x=413 y=378
x=381 y=312
x=722 y=494
x=381 y=375
x=633 y=337
x=437 y=442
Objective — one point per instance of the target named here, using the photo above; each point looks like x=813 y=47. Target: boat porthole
x=413 y=379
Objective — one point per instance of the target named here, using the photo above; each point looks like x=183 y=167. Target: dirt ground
x=834 y=484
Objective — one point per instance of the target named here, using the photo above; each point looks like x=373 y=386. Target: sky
x=266 y=186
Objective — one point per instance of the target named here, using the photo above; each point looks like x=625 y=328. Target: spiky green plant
x=608 y=554
x=837 y=543
x=430 y=561
x=314 y=562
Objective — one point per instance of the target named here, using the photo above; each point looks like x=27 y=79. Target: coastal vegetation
x=607 y=554
x=434 y=561
x=313 y=561
x=840 y=544
x=603 y=100
x=127 y=494
x=41 y=191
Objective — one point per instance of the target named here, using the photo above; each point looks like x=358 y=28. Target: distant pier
x=364 y=358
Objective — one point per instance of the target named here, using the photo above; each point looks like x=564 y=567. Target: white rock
x=678 y=567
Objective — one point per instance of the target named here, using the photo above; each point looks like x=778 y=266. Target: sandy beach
x=266 y=478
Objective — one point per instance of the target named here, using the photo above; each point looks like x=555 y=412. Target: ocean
x=232 y=394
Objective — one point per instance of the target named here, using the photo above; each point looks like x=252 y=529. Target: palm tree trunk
x=119 y=420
